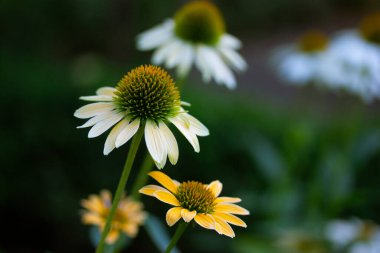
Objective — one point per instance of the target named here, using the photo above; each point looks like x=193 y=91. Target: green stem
x=178 y=233
x=142 y=177
x=120 y=188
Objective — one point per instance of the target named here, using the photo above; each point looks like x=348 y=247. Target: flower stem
x=120 y=188
x=142 y=177
x=178 y=233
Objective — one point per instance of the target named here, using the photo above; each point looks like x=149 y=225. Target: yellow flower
x=194 y=200
x=129 y=215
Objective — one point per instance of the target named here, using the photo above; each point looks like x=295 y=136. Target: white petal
x=185 y=103
x=96 y=119
x=93 y=109
x=188 y=55
x=106 y=91
x=196 y=126
x=155 y=36
x=201 y=64
x=171 y=143
x=111 y=138
x=127 y=133
x=104 y=125
x=162 y=54
x=99 y=98
x=184 y=129
x=219 y=71
x=233 y=59
x=176 y=53
x=230 y=41
x=154 y=142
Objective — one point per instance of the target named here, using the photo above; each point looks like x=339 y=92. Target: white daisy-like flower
x=355 y=235
x=352 y=62
x=145 y=98
x=299 y=63
x=197 y=36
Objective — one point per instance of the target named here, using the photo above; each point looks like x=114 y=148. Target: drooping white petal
x=104 y=125
x=219 y=71
x=201 y=64
x=106 y=91
x=93 y=109
x=176 y=54
x=96 y=119
x=162 y=54
x=155 y=36
x=154 y=143
x=196 y=126
x=187 y=60
x=227 y=40
x=111 y=138
x=127 y=133
x=184 y=129
x=233 y=59
x=171 y=143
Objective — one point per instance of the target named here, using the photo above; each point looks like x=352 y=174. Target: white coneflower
x=299 y=63
x=195 y=35
x=145 y=98
x=352 y=62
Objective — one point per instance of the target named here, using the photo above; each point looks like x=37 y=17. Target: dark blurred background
x=296 y=156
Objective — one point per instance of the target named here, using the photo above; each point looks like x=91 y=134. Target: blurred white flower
x=355 y=235
x=195 y=35
x=299 y=63
x=342 y=233
x=353 y=64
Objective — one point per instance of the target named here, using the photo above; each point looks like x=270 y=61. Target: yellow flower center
x=199 y=22
x=195 y=196
x=148 y=92
x=313 y=41
x=370 y=28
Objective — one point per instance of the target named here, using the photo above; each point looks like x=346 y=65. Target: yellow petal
x=151 y=189
x=205 y=220
x=93 y=203
x=231 y=208
x=227 y=200
x=173 y=215
x=92 y=218
x=230 y=218
x=188 y=215
x=164 y=180
x=166 y=197
x=130 y=229
x=216 y=187
x=112 y=236
x=222 y=227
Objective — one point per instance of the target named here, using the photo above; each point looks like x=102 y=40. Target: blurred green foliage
x=295 y=164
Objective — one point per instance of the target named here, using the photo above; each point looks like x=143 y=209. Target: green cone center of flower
x=370 y=28
x=199 y=22
x=313 y=41
x=148 y=92
x=195 y=196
